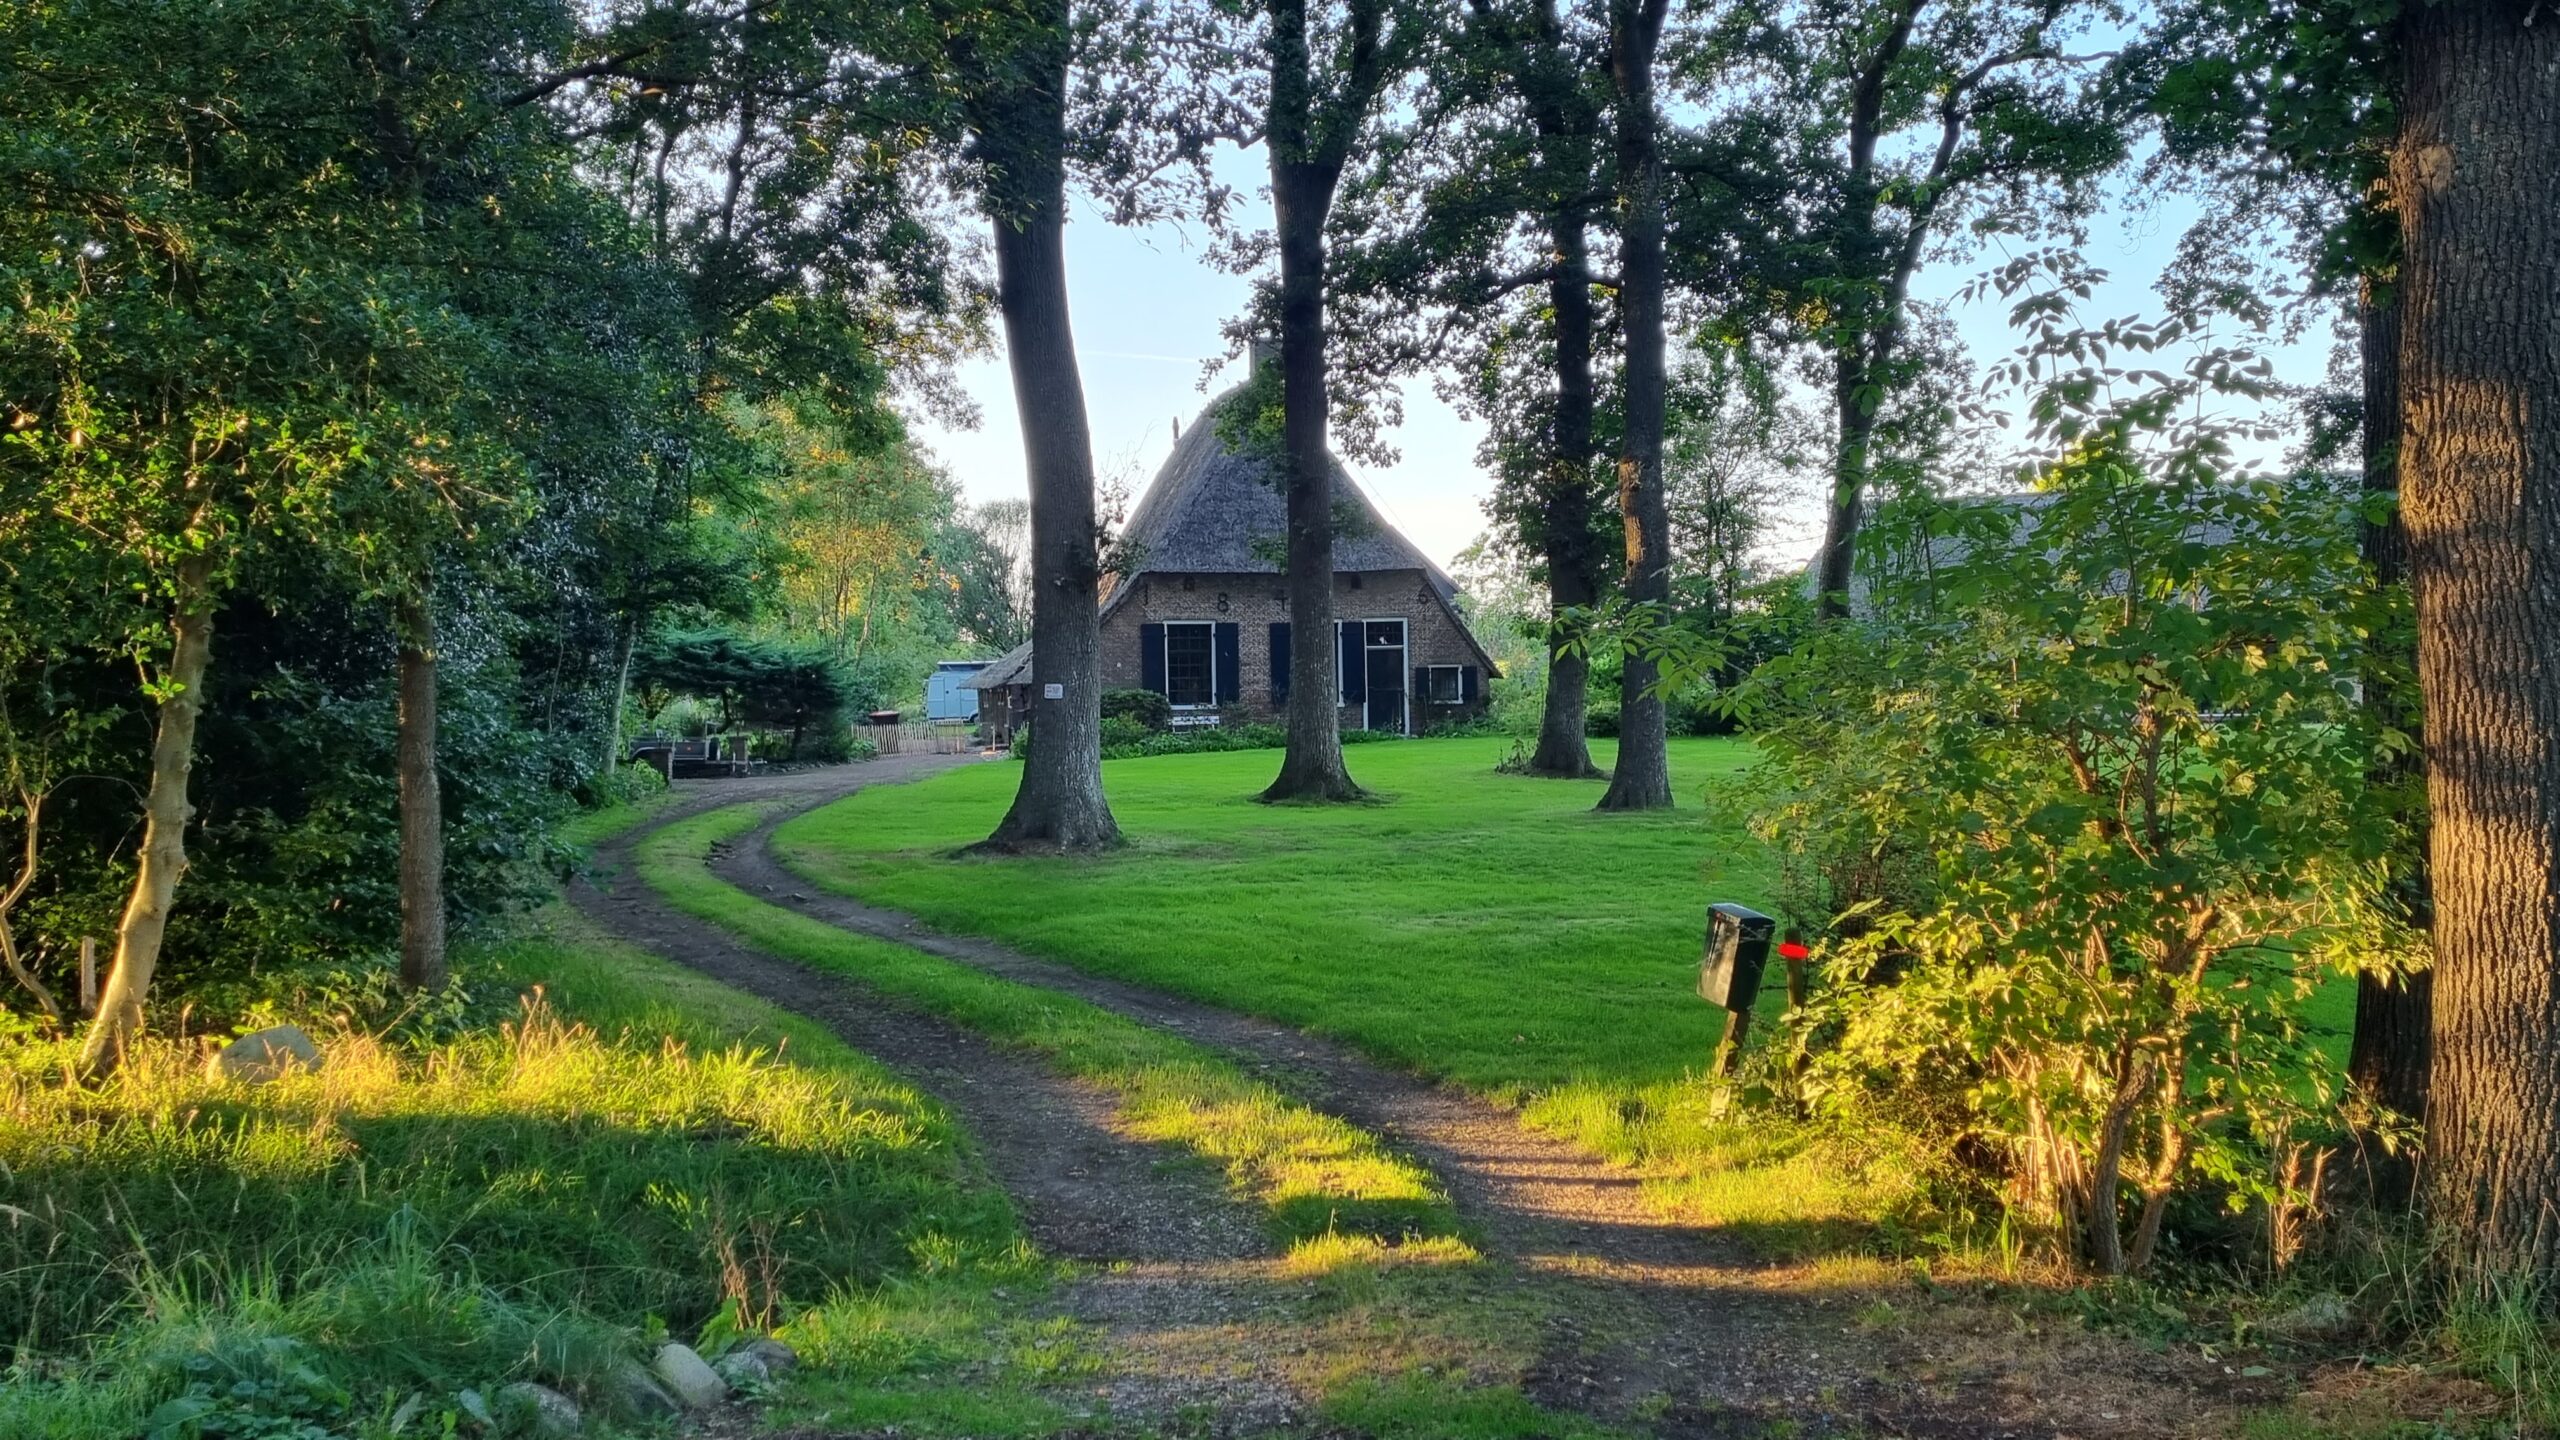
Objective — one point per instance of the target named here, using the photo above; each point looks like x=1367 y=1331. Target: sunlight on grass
x=514 y=1201
x=1482 y=927
x=1311 y=1172
x=1333 y=1252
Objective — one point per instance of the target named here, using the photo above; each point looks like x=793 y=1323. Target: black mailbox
x=1737 y=951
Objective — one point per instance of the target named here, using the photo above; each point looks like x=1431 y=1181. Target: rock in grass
x=694 y=1382
x=755 y=1362
x=264 y=1055
x=633 y=1391
x=2322 y=1317
x=538 y=1410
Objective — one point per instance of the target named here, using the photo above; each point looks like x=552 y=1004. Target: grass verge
x=400 y=1234
x=1314 y=1175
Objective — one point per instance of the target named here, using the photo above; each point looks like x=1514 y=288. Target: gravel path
x=1671 y=1325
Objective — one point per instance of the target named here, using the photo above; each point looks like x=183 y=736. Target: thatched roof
x=1013 y=667
x=1215 y=509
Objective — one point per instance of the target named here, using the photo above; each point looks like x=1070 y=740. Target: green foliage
x=2086 y=798
x=800 y=688
x=1151 y=710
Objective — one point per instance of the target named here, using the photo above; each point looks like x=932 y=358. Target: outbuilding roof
x=1013 y=667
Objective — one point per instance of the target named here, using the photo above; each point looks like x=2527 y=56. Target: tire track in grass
x=1651 y=1314
x=1313 y=1174
x=1087 y=1190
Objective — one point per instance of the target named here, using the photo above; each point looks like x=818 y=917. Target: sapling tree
x=2115 y=729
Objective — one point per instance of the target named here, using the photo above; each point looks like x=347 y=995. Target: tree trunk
x=2480 y=471
x=422 y=954
x=1642 y=778
x=165 y=812
x=1022 y=122
x=1302 y=190
x=621 y=697
x=1856 y=421
x=1572 y=567
x=1865 y=342
x=2388 y=1057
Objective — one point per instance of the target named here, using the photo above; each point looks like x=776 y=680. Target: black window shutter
x=1151 y=657
x=1469 y=684
x=1355 y=662
x=1228 y=642
x=1279 y=663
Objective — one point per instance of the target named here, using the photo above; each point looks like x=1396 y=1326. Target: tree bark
x=1856 y=426
x=1865 y=341
x=165 y=813
x=1642 y=777
x=422 y=949
x=1021 y=118
x=621 y=697
x=1304 y=175
x=2480 y=473
x=30 y=865
x=1572 y=566
x=2387 y=1058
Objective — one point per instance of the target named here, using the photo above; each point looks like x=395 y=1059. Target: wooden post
x=1737 y=1027
x=88 y=975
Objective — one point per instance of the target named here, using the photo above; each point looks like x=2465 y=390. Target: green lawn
x=1318 y=1179
x=1484 y=927
x=1490 y=929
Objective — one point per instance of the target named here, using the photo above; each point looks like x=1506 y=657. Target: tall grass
x=520 y=1202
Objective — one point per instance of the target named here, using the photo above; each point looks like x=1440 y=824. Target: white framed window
x=1448 y=684
x=1191 y=663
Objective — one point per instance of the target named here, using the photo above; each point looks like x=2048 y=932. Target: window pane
x=1386 y=632
x=1186 y=665
x=1445 y=689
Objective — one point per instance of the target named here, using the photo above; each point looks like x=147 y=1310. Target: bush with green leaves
x=2117 y=725
x=1149 y=709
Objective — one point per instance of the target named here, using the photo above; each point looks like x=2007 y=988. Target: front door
x=1386 y=674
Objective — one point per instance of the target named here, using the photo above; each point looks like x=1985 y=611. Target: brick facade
x=1252 y=602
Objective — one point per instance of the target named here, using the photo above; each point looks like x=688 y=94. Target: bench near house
x=1201 y=614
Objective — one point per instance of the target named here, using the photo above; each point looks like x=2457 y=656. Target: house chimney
x=1259 y=351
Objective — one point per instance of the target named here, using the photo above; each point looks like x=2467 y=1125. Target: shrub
x=1150 y=710
x=2110 y=785
x=626 y=785
x=1120 y=732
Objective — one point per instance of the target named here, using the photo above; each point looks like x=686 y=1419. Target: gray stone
x=742 y=1370
x=634 y=1392
x=683 y=1371
x=538 y=1410
x=264 y=1055
x=2320 y=1317
x=778 y=1358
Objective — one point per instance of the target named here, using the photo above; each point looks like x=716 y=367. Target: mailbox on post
x=1737 y=951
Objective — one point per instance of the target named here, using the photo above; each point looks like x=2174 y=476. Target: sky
x=1148 y=307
